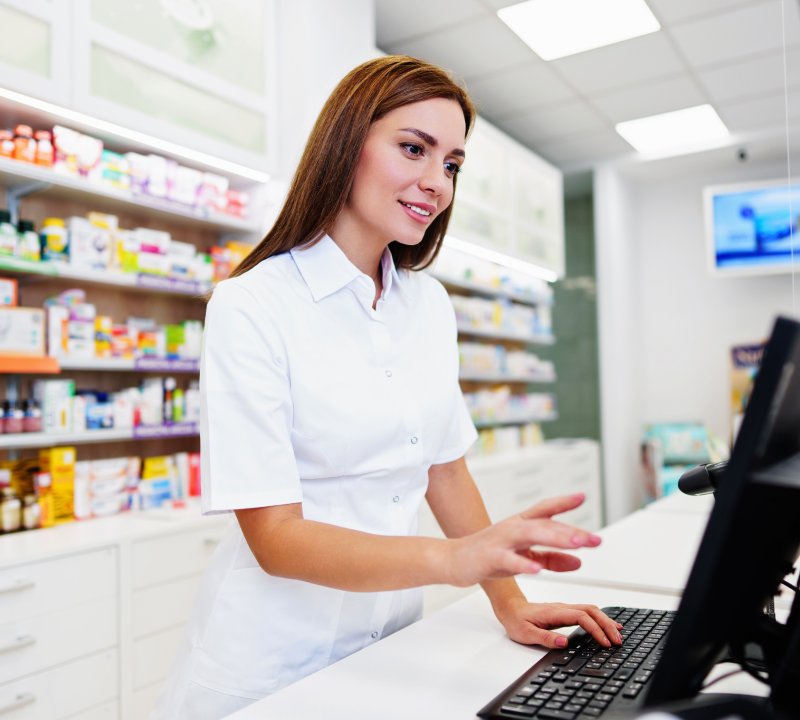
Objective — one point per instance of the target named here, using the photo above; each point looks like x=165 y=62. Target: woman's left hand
x=532 y=623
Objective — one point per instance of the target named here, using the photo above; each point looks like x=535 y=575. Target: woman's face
x=404 y=177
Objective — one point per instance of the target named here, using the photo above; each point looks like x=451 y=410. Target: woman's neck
x=361 y=248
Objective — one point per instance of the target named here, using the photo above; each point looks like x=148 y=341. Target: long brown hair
x=323 y=179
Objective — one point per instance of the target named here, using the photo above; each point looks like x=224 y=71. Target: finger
x=549 y=533
x=539 y=636
x=606 y=623
x=515 y=564
x=553 y=506
x=588 y=623
x=555 y=561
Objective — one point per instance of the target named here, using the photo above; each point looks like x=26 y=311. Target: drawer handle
x=211 y=541
x=20 y=701
x=17 y=585
x=18 y=643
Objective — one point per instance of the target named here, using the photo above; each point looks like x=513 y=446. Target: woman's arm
x=458 y=507
x=287 y=545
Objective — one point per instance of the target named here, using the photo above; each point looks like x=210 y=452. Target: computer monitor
x=750 y=544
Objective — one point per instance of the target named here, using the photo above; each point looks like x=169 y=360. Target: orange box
x=9 y=292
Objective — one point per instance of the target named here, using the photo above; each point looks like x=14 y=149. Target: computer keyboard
x=586 y=680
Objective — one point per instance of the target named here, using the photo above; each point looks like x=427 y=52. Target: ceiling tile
x=553 y=123
x=475 y=48
x=621 y=64
x=762 y=113
x=395 y=21
x=752 y=77
x=737 y=34
x=651 y=99
x=672 y=11
x=529 y=86
x=584 y=148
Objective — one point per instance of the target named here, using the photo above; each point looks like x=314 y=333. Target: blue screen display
x=756 y=228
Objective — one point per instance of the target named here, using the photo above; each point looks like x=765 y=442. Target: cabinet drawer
x=163 y=606
x=28 y=646
x=144 y=701
x=153 y=656
x=39 y=588
x=173 y=556
x=62 y=691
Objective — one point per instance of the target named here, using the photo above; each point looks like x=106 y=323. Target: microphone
x=702 y=479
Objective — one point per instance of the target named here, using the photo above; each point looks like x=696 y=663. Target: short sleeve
x=246 y=408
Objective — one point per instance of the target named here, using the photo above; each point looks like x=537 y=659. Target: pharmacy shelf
x=470 y=376
x=132 y=281
x=142 y=432
x=490 y=292
x=504 y=335
x=516 y=421
x=16 y=174
x=131 y=365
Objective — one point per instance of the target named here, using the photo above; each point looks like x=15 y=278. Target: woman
x=331 y=408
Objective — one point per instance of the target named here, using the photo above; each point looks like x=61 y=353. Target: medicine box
x=9 y=292
x=90 y=244
x=21 y=331
x=60 y=464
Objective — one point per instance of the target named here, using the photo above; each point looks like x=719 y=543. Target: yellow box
x=60 y=463
x=103 y=325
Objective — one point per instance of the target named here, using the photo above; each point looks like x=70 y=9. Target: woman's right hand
x=506 y=548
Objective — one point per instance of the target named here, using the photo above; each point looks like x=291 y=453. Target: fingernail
x=535 y=567
x=578 y=496
x=578 y=540
x=619 y=638
x=561 y=642
x=594 y=540
x=619 y=627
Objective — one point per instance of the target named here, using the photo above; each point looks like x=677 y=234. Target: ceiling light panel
x=694 y=128
x=557 y=28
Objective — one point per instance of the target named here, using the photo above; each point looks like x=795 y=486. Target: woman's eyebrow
x=432 y=141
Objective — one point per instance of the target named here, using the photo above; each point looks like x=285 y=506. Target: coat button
x=375 y=634
x=413 y=441
x=388 y=373
x=396 y=498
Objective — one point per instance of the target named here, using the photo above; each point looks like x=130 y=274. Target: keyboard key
x=516 y=700
x=525 y=692
x=574 y=685
x=589 y=672
x=604 y=697
x=561 y=677
x=573 y=708
x=519 y=710
x=594 y=712
x=623 y=674
x=591 y=687
x=561 y=698
x=614 y=683
x=611 y=690
x=553 y=705
x=631 y=691
x=585 y=695
x=534 y=702
x=598 y=704
x=545 y=674
x=561 y=659
x=548 y=690
x=556 y=714
x=641 y=679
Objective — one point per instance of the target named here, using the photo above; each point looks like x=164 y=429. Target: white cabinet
x=91 y=613
x=512 y=482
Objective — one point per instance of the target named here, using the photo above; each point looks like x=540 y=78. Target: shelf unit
x=471 y=376
x=130 y=365
x=22 y=178
x=499 y=422
x=487 y=292
x=504 y=335
x=142 y=432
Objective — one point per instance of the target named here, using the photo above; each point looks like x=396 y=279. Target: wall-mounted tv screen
x=752 y=229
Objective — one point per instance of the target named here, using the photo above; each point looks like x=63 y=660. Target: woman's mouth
x=416 y=212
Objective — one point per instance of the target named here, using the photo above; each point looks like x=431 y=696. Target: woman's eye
x=452 y=168
x=413 y=149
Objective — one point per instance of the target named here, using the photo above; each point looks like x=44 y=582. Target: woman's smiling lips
x=421 y=212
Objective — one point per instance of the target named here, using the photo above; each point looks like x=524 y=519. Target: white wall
x=667 y=326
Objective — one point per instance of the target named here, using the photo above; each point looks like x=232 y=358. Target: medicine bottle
x=31 y=512
x=27 y=241
x=8 y=234
x=42 y=483
x=54 y=240
x=44 y=148
x=12 y=417
x=10 y=510
x=24 y=144
x=32 y=421
x=6 y=144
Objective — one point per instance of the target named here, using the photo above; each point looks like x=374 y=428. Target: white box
x=89 y=244
x=153 y=241
x=21 y=331
x=57 y=319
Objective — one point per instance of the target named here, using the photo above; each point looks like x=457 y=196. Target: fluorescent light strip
x=500 y=258
x=693 y=129
x=136 y=136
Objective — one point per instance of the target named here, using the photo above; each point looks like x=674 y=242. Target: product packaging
x=194 y=474
x=65 y=150
x=43 y=485
x=23 y=331
x=9 y=292
x=139 y=168
x=214 y=192
x=184 y=184
x=116 y=170
x=89 y=244
x=238 y=203
x=90 y=155
x=54 y=240
x=157 y=169
x=59 y=463
x=82 y=509
x=153 y=241
x=6 y=144
x=102 y=336
x=55 y=398
x=57 y=332
x=8 y=234
x=28 y=241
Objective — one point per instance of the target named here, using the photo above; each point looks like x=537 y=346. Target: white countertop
x=77 y=536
